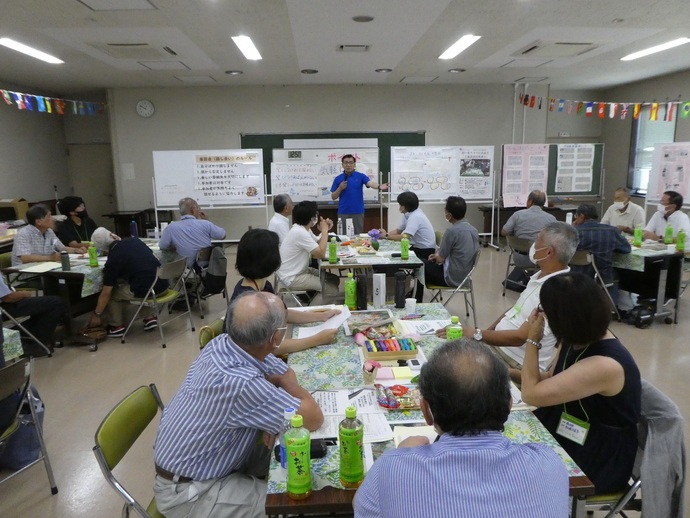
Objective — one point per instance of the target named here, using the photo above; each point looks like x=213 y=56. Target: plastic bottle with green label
x=668 y=234
x=332 y=251
x=93 y=256
x=404 y=248
x=637 y=239
x=680 y=241
x=351 y=292
x=297 y=449
x=454 y=330
x=351 y=440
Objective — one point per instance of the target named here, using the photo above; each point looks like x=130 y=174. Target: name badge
x=573 y=428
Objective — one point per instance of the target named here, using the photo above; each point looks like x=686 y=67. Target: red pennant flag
x=6 y=95
x=59 y=106
x=579 y=108
x=669 y=112
x=613 y=110
x=552 y=104
x=590 y=107
x=685 y=111
x=100 y=108
x=654 y=112
x=624 y=110
x=532 y=100
x=636 y=111
x=601 y=112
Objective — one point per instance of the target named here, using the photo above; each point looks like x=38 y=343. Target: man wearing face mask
x=552 y=251
x=472 y=469
x=298 y=244
x=78 y=227
x=667 y=213
x=623 y=214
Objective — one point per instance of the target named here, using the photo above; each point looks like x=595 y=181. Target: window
x=645 y=135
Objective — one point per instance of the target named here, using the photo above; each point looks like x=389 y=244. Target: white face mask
x=533 y=250
x=661 y=208
x=618 y=205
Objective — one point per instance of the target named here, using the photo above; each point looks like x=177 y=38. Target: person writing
x=348 y=188
x=590 y=400
x=258 y=257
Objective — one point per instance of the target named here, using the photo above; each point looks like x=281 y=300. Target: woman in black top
x=590 y=400
x=78 y=226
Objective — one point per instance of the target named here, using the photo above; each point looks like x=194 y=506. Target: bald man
x=208 y=456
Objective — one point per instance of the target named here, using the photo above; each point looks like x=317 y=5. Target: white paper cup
x=410 y=305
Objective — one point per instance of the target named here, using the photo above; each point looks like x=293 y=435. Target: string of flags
x=658 y=111
x=43 y=104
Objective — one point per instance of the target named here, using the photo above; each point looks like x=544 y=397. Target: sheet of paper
x=422 y=327
x=372 y=260
x=401 y=433
x=334 y=402
x=42 y=267
x=376 y=428
x=518 y=403
x=317 y=308
x=332 y=323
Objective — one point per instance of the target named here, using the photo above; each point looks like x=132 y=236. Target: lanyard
x=565 y=360
x=76 y=228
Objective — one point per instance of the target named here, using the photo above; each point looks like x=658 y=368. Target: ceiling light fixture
x=234 y=72
x=657 y=48
x=384 y=70
x=460 y=45
x=456 y=70
x=29 y=51
x=309 y=71
x=363 y=19
x=246 y=46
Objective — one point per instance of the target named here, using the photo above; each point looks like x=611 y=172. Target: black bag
x=23 y=447
x=214 y=276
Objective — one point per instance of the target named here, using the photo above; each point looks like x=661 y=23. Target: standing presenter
x=348 y=189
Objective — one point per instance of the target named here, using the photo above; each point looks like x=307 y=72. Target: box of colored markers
x=389 y=349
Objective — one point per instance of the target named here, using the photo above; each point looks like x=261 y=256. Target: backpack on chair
x=214 y=276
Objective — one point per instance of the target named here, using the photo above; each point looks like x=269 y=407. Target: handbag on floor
x=23 y=446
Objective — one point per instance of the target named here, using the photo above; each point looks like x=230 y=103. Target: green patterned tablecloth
x=635 y=259
x=12 y=348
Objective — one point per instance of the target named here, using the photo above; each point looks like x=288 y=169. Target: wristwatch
x=97 y=313
x=478 y=336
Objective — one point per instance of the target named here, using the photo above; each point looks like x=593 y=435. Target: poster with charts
x=429 y=172
x=670 y=171
x=525 y=169
x=574 y=168
x=476 y=180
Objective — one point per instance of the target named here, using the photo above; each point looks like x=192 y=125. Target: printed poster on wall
x=429 y=172
x=525 y=169
x=574 y=168
x=475 y=181
x=670 y=170
x=299 y=180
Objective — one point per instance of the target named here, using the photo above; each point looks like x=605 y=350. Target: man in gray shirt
x=526 y=224
x=453 y=261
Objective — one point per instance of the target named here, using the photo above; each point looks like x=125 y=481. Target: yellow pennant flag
x=654 y=111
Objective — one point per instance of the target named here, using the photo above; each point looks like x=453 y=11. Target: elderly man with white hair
x=128 y=274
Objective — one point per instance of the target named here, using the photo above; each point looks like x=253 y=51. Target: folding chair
x=169 y=271
x=466 y=287
x=282 y=289
x=209 y=332
x=585 y=258
x=197 y=271
x=517 y=245
x=439 y=237
x=6 y=316
x=14 y=378
x=118 y=432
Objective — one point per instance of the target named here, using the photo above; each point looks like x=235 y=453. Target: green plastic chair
x=118 y=432
x=209 y=332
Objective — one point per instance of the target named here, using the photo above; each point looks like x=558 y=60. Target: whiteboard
x=525 y=169
x=436 y=172
x=670 y=171
x=213 y=177
x=323 y=165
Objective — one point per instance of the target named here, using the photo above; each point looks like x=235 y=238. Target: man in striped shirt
x=472 y=469
x=216 y=435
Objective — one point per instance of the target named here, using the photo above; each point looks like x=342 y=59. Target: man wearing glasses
x=347 y=188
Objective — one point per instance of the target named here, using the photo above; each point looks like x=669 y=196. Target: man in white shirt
x=623 y=214
x=552 y=251
x=280 y=222
x=299 y=243
x=667 y=213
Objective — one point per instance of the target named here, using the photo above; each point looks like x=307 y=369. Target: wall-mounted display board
x=525 y=169
x=307 y=174
x=575 y=170
x=267 y=142
x=436 y=172
x=213 y=177
x=670 y=171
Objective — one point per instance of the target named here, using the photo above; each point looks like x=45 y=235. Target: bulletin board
x=213 y=177
x=670 y=171
x=575 y=170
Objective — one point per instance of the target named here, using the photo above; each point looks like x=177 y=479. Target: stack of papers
x=42 y=267
x=332 y=323
x=420 y=327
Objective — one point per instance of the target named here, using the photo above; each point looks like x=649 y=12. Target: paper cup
x=410 y=306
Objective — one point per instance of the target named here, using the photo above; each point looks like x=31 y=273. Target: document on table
x=332 y=323
x=401 y=433
x=376 y=428
x=42 y=267
x=421 y=327
x=518 y=403
x=334 y=402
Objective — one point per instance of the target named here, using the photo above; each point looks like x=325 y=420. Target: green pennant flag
x=685 y=111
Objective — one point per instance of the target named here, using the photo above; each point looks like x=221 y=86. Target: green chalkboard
x=597 y=173
x=270 y=141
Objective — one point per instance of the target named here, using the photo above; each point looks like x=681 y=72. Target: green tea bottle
x=351 y=292
x=680 y=241
x=637 y=239
x=668 y=234
x=351 y=440
x=332 y=251
x=454 y=331
x=297 y=450
x=404 y=248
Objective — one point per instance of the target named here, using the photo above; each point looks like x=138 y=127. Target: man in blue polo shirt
x=348 y=189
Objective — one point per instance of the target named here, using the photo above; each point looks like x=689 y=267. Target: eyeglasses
x=278 y=330
x=348 y=162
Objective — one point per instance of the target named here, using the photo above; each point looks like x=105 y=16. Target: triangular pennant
x=561 y=102
x=636 y=111
x=624 y=110
x=590 y=107
x=601 y=110
x=613 y=110
x=49 y=106
x=6 y=95
x=40 y=103
x=654 y=112
x=685 y=110
x=668 y=116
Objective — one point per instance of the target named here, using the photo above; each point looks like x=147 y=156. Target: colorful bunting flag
x=561 y=102
x=526 y=103
x=49 y=106
x=590 y=108
x=613 y=110
x=654 y=112
x=601 y=111
x=668 y=116
x=40 y=103
x=552 y=103
x=685 y=111
x=532 y=100
x=18 y=100
x=624 y=110
x=8 y=98
x=540 y=99
x=28 y=104
x=59 y=106
x=579 y=108
x=636 y=111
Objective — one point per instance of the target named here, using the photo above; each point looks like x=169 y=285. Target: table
x=144 y=219
x=653 y=274
x=338 y=365
x=501 y=216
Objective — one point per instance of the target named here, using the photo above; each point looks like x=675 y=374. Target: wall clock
x=145 y=108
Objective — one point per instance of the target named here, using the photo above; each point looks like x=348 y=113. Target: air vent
x=135 y=51
x=555 y=49
x=353 y=48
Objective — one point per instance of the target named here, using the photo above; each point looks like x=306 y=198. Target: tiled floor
x=79 y=388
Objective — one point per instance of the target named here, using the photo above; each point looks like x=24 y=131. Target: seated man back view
x=552 y=251
x=216 y=434
x=280 y=222
x=192 y=233
x=472 y=469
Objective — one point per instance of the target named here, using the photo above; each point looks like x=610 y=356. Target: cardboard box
x=20 y=206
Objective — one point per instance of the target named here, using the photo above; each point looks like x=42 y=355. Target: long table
x=338 y=366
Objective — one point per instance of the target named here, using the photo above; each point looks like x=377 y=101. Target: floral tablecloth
x=12 y=348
